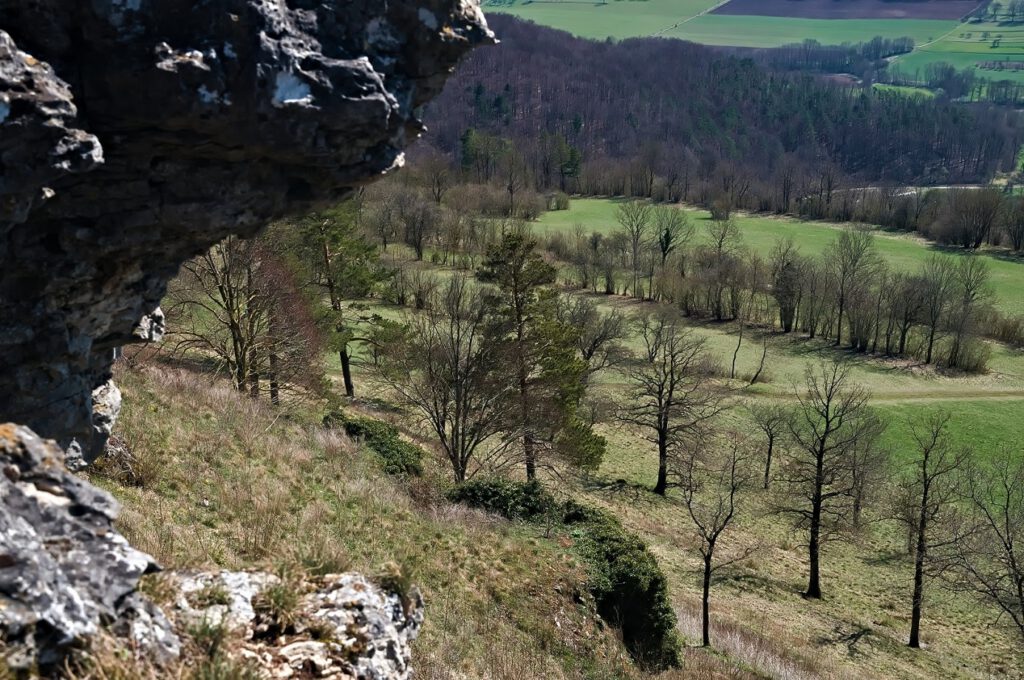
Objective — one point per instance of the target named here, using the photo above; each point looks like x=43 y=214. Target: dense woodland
x=594 y=118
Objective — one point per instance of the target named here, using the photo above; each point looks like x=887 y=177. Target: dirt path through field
x=687 y=20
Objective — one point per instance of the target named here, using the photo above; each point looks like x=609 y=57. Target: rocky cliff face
x=134 y=134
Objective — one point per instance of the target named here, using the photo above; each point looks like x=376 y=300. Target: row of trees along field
x=860 y=65
x=499 y=364
x=550 y=113
x=848 y=294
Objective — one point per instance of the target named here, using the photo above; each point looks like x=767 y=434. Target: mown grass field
x=901 y=251
x=905 y=90
x=967 y=45
x=599 y=20
x=690 y=20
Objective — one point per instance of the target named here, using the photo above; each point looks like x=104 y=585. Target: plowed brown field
x=851 y=9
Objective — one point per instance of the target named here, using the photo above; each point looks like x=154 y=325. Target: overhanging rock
x=135 y=134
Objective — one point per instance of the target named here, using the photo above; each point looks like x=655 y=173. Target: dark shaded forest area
x=562 y=113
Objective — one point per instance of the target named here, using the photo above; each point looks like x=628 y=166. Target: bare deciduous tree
x=635 y=217
x=990 y=555
x=447 y=368
x=829 y=422
x=672 y=399
x=773 y=421
x=929 y=497
x=852 y=259
x=937 y=276
x=711 y=493
x=598 y=335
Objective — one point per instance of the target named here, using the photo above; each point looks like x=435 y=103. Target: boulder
x=341 y=626
x=65 y=573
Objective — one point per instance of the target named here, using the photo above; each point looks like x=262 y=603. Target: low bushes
x=397 y=457
x=630 y=589
x=513 y=500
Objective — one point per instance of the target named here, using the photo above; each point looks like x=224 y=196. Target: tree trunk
x=813 y=548
x=839 y=326
x=768 y=462
x=705 y=601
x=662 y=486
x=736 y=352
x=919 y=558
x=254 y=384
x=275 y=388
x=346 y=372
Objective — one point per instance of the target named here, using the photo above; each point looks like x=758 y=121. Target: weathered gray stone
x=134 y=135
x=64 y=571
x=345 y=626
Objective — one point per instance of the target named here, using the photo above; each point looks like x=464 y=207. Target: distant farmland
x=851 y=9
x=711 y=23
x=989 y=48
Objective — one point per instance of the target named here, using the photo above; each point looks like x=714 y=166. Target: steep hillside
x=213 y=479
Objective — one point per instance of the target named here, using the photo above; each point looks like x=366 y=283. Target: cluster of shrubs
x=629 y=588
x=397 y=457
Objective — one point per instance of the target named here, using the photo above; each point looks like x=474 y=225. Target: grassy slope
x=857 y=631
x=761 y=622
x=683 y=19
x=760 y=233
x=225 y=482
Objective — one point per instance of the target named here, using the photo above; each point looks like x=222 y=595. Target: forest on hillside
x=596 y=118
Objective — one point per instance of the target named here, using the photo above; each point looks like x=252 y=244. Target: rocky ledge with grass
x=134 y=135
x=67 y=576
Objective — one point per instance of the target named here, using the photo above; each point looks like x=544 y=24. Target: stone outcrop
x=134 y=134
x=340 y=626
x=65 y=573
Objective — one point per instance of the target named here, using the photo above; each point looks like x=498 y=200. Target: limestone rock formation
x=64 y=570
x=341 y=626
x=134 y=134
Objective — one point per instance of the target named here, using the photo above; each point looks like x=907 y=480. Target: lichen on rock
x=341 y=626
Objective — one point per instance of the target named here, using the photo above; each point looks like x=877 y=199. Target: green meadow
x=901 y=251
x=985 y=409
x=967 y=45
x=757 y=31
